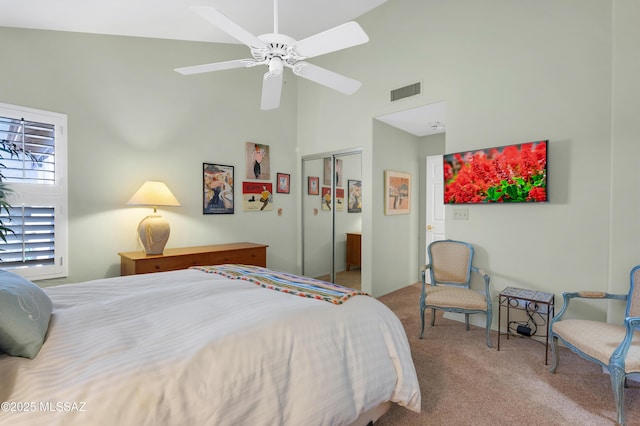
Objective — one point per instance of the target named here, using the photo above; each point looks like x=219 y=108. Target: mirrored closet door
x=332 y=218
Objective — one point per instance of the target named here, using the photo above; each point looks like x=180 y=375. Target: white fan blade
x=337 y=38
x=327 y=78
x=216 y=66
x=228 y=26
x=271 y=91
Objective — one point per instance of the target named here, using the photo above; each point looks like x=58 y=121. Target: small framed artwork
x=337 y=172
x=257 y=196
x=258 y=161
x=326 y=198
x=339 y=199
x=217 y=182
x=284 y=182
x=397 y=192
x=313 y=185
x=355 y=196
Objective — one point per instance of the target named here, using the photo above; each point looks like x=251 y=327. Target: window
x=37 y=246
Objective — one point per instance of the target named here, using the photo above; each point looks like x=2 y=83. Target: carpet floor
x=463 y=382
x=345 y=278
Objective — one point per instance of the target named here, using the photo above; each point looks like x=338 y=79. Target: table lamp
x=153 y=230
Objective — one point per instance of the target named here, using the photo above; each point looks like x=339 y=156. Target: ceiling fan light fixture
x=275 y=66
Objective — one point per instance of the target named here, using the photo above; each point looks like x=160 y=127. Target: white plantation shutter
x=32 y=242
x=36 y=138
x=37 y=247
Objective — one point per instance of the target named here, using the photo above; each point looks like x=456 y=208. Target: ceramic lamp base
x=154 y=234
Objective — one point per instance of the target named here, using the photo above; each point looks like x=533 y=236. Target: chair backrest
x=633 y=301
x=450 y=262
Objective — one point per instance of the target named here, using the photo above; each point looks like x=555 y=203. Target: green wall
x=509 y=72
x=132 y=118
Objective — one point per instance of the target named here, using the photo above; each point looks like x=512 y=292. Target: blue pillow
x=24 y=315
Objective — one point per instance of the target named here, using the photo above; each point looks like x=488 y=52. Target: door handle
x=429 y=227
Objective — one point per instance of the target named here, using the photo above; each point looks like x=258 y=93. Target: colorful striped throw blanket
x=284 y=282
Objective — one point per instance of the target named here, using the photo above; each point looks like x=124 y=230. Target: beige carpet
x=345 y=278
x=463 y=382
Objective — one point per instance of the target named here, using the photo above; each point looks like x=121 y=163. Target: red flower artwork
x=513 y=173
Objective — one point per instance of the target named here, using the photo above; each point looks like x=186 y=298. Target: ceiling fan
x=279 y=51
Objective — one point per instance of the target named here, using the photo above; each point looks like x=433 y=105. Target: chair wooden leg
x=488 y=329
x=466 y=321
x=554 y=354
x=422 y=308
x=617 y=383
x=433 y=317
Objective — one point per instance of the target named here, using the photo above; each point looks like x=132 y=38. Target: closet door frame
x=321 y=156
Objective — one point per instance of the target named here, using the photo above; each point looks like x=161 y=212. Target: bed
x=210 y=347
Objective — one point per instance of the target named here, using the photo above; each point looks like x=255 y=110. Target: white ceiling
x=172 y=19
x=421 y=121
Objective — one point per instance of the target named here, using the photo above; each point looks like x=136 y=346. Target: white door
x=435 y=201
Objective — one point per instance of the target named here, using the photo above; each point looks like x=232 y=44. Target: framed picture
x=478 y=177
x=313 y=185
x=327 y=172
x=284 y=182
x=217 y=183
x=339 y=199
x=325 y=200
x=257 y=196
x=258 y=161
x=355 y=196
x=397 y=192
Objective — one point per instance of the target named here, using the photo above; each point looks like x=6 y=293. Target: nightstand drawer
x=256 y=256
x=182 y=258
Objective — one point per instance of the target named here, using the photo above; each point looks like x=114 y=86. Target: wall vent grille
x=405 y=92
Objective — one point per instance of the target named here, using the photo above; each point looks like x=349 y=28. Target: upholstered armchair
x=450 y=270
x=613 y=346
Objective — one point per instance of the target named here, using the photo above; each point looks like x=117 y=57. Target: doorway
x=435 y=229
x=428 y=124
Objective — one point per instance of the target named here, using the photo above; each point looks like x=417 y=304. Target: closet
x=331 y=214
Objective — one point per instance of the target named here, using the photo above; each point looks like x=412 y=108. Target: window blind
x=36 y=139
x=32 y=241
x=33 y=168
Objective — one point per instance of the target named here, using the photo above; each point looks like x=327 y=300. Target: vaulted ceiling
x=173 y=19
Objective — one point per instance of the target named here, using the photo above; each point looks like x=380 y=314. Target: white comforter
x=192 y=348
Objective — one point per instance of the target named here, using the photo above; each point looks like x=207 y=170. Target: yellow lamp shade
x=153 y=193
x=153 y=230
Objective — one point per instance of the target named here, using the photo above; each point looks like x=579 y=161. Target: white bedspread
x=191 y=348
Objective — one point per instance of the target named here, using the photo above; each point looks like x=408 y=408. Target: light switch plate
x=460 y=214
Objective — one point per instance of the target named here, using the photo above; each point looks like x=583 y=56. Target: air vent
x=405 y=92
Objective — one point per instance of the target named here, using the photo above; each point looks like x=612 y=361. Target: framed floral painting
x=514 y=173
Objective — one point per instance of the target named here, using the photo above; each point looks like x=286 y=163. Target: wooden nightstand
x=137 y=262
